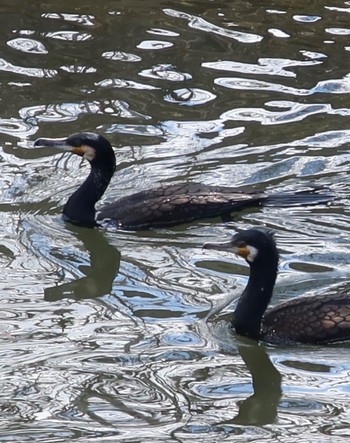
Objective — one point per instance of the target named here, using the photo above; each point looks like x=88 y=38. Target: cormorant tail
x=308 y=197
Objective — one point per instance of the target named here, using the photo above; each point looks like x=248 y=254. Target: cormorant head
x=94 y=147
x=253 y=245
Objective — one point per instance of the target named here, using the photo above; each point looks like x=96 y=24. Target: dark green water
x=110 y=336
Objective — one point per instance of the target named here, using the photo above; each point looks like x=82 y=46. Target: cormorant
x=166 y=205
x=312 y=319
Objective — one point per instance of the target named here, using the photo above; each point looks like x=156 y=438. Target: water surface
x=123 y=336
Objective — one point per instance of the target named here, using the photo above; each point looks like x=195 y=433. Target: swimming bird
x=166 y=205
x=309 y=319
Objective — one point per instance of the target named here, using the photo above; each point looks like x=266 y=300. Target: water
x=125 y=336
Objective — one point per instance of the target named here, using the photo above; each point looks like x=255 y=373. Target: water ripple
x=84 y=19
x=29 y=72
x=70 y=36
x=189 y=97
x=121 y=56
x=27 y=45
x=328 y=139
x=265 y=66
x=307 y=18
x=73 y=69
x=120 y=83
x=165 y=72
x=295 y=112
x=125 y=336
x=340 y=86
x=278 y=33
x=62 y=112
x=200 y=24
x=154 y=45
x=338 y=31
x=164 y=32
x=17 y=128
x=71 y=111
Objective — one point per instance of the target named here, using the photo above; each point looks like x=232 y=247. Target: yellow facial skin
x=84 y=151
x=248 y=252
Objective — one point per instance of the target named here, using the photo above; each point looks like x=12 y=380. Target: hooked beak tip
x=53 y=143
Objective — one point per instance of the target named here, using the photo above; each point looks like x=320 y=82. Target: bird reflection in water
x=99 y=275
x=261 y=407
x=258 y=409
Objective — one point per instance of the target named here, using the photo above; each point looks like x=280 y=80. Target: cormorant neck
x=80 y=207
x=256 y=296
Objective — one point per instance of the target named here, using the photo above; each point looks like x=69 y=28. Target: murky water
x=110 y=336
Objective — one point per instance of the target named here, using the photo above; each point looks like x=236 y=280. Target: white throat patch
x=253 y=253
x=89 y=153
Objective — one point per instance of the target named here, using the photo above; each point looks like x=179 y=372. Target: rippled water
x=125 y=336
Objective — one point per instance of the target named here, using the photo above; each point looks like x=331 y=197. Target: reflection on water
x=99 y=276
x=105 y=336
x=261 y=407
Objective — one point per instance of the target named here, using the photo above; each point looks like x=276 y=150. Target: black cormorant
x=166 y=205
x=314 y=319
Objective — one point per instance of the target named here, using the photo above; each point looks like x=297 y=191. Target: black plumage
x=314 y=319
x=166 y=205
